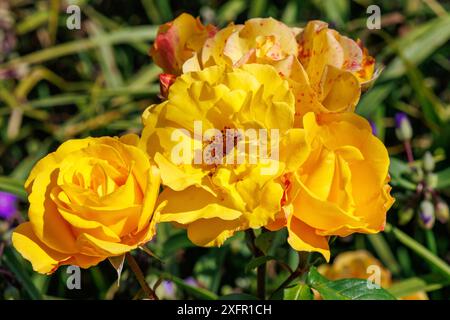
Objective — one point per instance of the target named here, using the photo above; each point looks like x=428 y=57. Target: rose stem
x=140 y=277
x=261 y=270
x=302 y=267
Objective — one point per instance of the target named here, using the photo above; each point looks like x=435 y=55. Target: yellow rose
x=355 y=264
x=326 y=70
x=335 y=182
x=179 y=40
x=91 y=199
x=259 y=40
x=321 y=47
x=333 y=69
x=218 y=195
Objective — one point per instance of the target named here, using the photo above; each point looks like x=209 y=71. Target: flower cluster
x=256 y=130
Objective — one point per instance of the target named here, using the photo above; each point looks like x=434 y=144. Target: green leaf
x=396 y=169
x=443 y=179
x=345 y=289
x=290 y=12
x=238 y=296
x=13 y=186
x=417 y=46
x=298 y=292
x=413 y=285
x=384 y=252
x=199 y=293
x=257 y=9
x=165 y=10
x=373 y=99
x=433 y=261
x=23 y=169
x=176 y=242
x=230 y=10
x=336 y=11
x=256 y=262
x=264 y=241
x=13 y=263
x=124 y=35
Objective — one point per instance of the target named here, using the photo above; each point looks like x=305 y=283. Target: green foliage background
x=57 y=84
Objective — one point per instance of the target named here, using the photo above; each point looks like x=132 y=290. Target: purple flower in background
x=399 y=118
x=8 y=205
x=374 y=128
x=168 y=288
x=426 y=214
x=191 y=281
x=403 y=127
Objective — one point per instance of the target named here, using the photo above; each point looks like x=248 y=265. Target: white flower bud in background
x=442 y=211
x=426 y=214
x=417 y=174
x=432 y=180
x=428 y=162
x=403 y=129
x=405 y=215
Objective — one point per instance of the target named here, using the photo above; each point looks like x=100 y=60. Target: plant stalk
x=140 y=277
x=302 y=267
x=261 y=270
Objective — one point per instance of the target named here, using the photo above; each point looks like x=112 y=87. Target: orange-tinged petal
x=340 y=90
x=327 y=215
x=47 y=222
x=178 y=40
x=54 y=158
x=130 y=139
x=212 y=232
x=304 y=238
x=91 y=246
x=151 y=194
x=195 y=203
x=43 y=258
x=293 y=149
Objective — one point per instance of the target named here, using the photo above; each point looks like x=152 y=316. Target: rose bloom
x=321 y=47
x=179 y=40
x=327 y=70
x=334 y=70
x=214 y=199
x=259 y=40
x=335 y=182
x=91 y=199
x=355 y=264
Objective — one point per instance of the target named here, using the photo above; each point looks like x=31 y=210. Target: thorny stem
x=140 y=277
x=261 y=270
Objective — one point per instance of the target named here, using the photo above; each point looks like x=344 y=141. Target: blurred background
x=58 y=82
